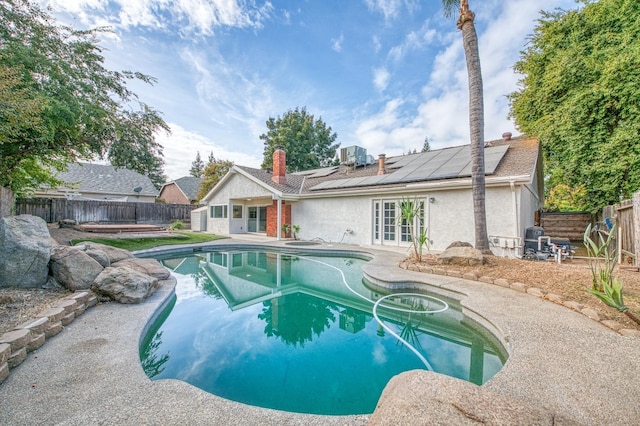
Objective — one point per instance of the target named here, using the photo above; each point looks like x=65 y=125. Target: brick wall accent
x=272 y=218
x=279 y=167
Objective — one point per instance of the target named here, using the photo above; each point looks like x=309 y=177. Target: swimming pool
x=297 y=332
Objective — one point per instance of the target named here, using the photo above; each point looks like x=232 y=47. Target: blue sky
x=384 y=74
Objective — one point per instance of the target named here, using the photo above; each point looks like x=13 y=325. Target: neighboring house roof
x=105 y=179
x=513 y=158
x=189 y=185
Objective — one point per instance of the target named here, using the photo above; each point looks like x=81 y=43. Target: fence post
x=7 y=202
x=636 y=226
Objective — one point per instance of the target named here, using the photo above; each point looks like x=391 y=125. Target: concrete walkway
x=563 y=368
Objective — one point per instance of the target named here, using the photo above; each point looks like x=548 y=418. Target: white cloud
x=200 y=16
x=390 y=9
x=414 y=40
x=381 y=78
x=180 y=149
x=336 y=43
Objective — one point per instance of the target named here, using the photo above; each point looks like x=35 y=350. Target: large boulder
x=463 y=256
x=146 y=266
x=124 y=284
x=115 y=254
x=25 y=246
x=73 y=268
x=99 y=256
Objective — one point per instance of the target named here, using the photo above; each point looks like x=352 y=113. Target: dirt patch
x=571 y=279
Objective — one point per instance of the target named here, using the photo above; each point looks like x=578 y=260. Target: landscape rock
x=115 y=254
x=73 y=268
x=459 y=244
x=99 y=256
x=461 y=255
x=146 y=266
x=25 y=246
x=424 y=397
x=124 y=284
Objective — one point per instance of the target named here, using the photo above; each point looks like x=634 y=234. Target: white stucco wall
x=236 y=190
x=329 y=218
x=449 y=218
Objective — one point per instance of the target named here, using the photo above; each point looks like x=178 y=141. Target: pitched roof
x=516 y=157
x=189 y=185
x=106 y=179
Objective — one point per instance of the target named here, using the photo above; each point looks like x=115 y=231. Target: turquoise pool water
x=297 y=333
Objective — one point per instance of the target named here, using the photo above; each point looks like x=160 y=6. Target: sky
x=383 y=74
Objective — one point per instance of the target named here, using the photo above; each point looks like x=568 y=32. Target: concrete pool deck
x=563 y=368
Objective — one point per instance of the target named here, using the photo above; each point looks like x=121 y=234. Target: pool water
x=297 y=333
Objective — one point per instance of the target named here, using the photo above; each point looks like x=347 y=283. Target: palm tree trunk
x=476 y=124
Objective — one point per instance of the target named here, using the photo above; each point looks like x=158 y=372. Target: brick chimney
x=381 y=167
x=279 y=167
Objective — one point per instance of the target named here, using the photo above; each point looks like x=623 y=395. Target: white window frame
x=222 y=214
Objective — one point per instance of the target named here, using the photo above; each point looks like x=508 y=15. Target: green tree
x=134 y=146
x=60 y=104
x=426 y=146
x=213 y=172
x=581 y=97
x=197 y=166
x=308 y=142
x=476 y=116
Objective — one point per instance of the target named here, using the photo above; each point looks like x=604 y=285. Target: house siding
x=235 y=191
x=173 y=195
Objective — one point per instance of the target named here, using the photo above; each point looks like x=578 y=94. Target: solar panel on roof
x=442 y=164
x=323 y=172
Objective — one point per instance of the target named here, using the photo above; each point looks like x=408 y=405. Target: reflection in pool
x=297 y=333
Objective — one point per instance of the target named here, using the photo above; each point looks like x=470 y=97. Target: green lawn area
x=133 y=244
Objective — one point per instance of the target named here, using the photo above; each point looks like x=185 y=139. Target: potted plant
x=296 y=229
x=285 y=229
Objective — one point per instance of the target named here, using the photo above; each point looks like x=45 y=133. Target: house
x=88 y=181
x=358 y=201
x=181 y=191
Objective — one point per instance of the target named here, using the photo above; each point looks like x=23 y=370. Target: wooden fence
x=107 y=212
x=626 y=217
x=566 y=224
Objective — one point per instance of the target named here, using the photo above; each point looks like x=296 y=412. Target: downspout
x=516 y=218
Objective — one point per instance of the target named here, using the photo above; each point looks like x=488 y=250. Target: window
x=237 y=212
x=218 y=212
x=389 y=219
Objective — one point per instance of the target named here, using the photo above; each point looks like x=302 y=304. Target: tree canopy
x=197 y=166
x=580 y=95
x=59 y=104
x=213 y=172
x=308 y=142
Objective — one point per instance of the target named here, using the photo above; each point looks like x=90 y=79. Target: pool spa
x=304 y=331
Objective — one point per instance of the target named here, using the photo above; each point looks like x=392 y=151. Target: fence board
x=565 y=224
x=107 y=212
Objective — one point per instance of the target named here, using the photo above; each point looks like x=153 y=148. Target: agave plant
x=611 y=295
x=601 y=256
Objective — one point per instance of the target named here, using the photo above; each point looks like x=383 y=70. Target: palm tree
x=476 y=116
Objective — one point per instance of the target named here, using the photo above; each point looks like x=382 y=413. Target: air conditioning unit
x=353 y=155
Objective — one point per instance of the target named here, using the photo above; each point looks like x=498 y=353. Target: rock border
x=523 y=288
x=32 y=334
